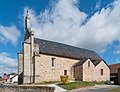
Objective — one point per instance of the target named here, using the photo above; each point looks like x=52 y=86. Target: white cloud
x=117 y=61
x=98 y=5
x=7 y=70
x=117 y=49
x=101 y=52
x=7 y=64
x=7 y=60
x=104 y=27
x=9 y=34
x=63 y=24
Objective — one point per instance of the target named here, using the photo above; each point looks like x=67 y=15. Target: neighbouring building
x=9 y=78
x=1 y=80
x=13 y=78
x=119 y=76
x=5 y=78
x=42 y=60
x=114 y=73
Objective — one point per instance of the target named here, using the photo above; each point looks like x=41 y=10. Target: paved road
x=97 y=88
x=57 y=88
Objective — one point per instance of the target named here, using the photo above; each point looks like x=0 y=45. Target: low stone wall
x=26 y=89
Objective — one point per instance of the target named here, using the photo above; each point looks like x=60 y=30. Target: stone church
x=42 y=60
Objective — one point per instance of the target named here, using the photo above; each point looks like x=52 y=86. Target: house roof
x=80 y=62
x=11 y=74
x=5 y=77
x=95 y=62
x=114 y=68
x=14 y=76
x=1 y=79
x=63 y=50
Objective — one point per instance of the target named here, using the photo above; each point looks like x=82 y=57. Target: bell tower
x=28 y=47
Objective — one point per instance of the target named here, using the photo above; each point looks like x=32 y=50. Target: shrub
x=64 y=79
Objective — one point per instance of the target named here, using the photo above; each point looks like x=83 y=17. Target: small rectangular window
x=101 y=71
x=53 y=62
x=65 y=72
x=88 y=63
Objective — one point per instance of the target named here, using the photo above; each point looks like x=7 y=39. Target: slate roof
x=63 y=50
x=95 y=62
x=80 y=62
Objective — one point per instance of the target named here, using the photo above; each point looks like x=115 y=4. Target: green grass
x=75 y=85
x=48 y=82
x=115 y=90
x=99 y=83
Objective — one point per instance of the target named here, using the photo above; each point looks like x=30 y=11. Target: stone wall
x=93 y=73
x=26 y=64
x=88 y=71
x=37 y=69
x=28 y=48
x=106 y=72
x=26 y=89
x=44 y=70
x=20 y=63
x=78 y=73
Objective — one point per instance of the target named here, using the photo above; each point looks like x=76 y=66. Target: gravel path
x=97 y=88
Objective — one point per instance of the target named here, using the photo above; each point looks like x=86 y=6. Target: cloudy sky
x=90 y=24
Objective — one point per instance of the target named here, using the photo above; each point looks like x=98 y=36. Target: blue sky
x=90 y=24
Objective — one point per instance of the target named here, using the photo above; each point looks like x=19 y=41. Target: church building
x=43 y=60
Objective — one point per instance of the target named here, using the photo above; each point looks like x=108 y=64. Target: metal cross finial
x=27 y=11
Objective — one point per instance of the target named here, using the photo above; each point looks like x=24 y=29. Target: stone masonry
x=92 y=72
x=45 y=72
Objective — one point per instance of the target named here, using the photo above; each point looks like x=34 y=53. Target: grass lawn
x=115 y=90
x=48 y=82
x=75 y=85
